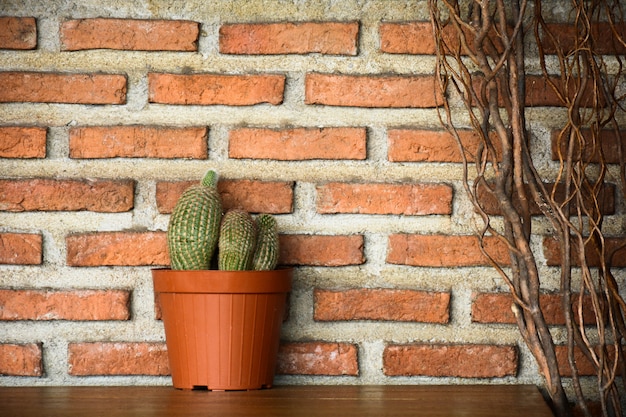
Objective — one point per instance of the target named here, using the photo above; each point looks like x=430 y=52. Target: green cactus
x=267 y=250
x=237 y=241
x=193 y=229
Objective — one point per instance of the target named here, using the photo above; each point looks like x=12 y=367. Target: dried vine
x=482 y=49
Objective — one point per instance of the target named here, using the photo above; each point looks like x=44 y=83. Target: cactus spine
x=193 y=229
x=266 y=253
x=237 y=241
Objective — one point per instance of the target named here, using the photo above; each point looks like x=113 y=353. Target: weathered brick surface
x=615 y=248
x=407 y=38
x=209 y=89
x=129 y=34
x=21 y=359
x=496 y=308
x=407 y=199
x=275 y=197
x=117 y=358
x=83 y=305
x=443 y=250
x=370 y=91
x=439 y=360
x=602 y=36
x=117 y=249
x=318 y=358
x=334 y=38
x=21 y=248
x=327 y=250
x=415 y=145
x=22 y=142
x=18 y=32
x=382 y=304
x=138 y=142
x=298 y=143
x=48 y=87
x=41 y=194
x=608 y=140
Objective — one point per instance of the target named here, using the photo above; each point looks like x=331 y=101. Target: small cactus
x=237 y=241
x=266 y=253
x=193 y=229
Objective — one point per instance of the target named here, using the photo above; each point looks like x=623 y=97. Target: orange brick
x=333 y=38
x=47 y=87
x=138 y=142
x=371 y=91
x=118 y=358
x=496 y=308
x=609 y=141
x=22 y=142
x=443 y=250
x=110 y=196
x=615 y=246
x=318 y=358
x=117 y=249
x=440 y=360
x=21 y=248
x=406 y=199
x=274 y=197
x=21 y=359
x=413 y=145
x=584 y=365
x=407 y=38
x=129 y=34
x=84 y=305
x=382 y=304
x=321 y=250
x=602 y=35
x=298 y=144
x=18 y=32
x=210 y=89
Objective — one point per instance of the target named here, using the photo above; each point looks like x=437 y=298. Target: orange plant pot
x=222 y=328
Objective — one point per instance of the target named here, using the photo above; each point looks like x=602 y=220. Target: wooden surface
x=287 y=401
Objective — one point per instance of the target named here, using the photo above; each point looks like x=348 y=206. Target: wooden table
x=287 y=401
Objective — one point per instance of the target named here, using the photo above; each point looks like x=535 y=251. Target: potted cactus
x=222 y=299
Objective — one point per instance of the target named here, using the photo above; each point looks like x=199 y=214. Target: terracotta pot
x=222 y=328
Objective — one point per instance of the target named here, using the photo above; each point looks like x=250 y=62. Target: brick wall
x=321 y=113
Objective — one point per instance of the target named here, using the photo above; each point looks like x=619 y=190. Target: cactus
x=193 y=229
x=237 y=241
x=266 y=254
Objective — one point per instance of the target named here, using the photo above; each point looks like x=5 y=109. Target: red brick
x=406 y=199
x=298 y=144
x=274 y=197
x=407 y=38
x=47 y=87
x=443 y=250
x=117 y=249
x=614 y=245
x=382 y=304
x=118 y=358
x=371 y=91
x=604 y=40
x=109 y=196
x=584 y=365
x=318 y=358
x=21 y=359
x=209 y=89
x=83 y=305
x=605 y=199
x=130 y=34
x=496 y=308
x=439 y=360
x=18 y=32
x=412 y=145
x=21 y=248
x=609 y=144
x=333 y=38
x=138 y=142
x=321 y=250
x=22 y=142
